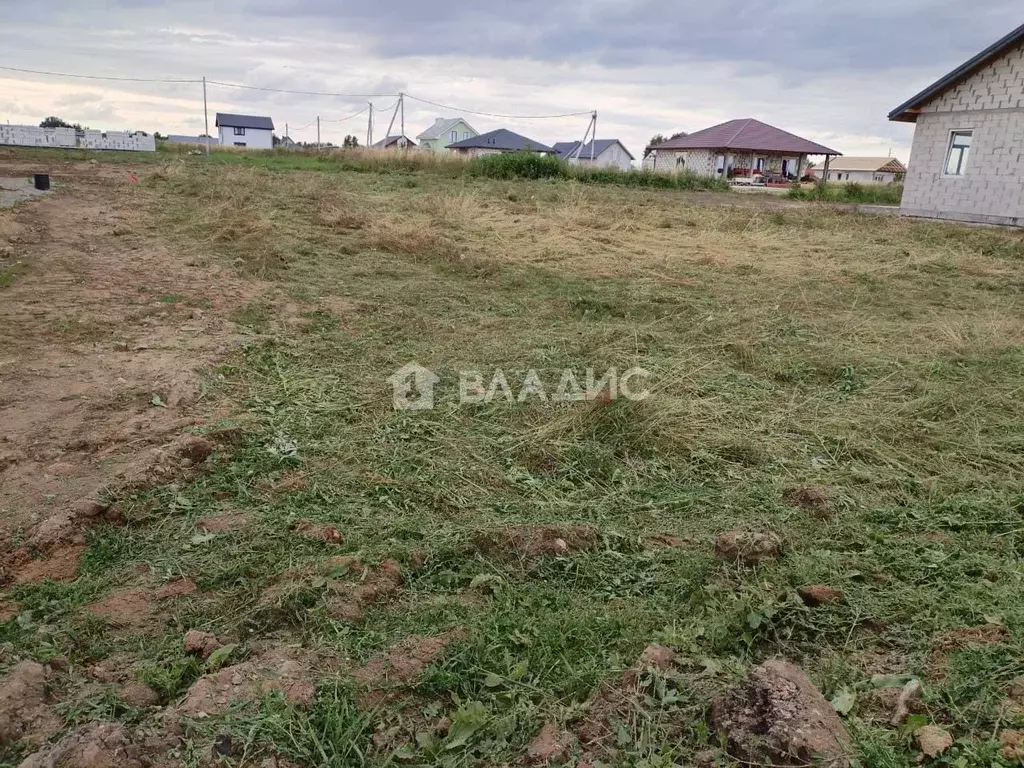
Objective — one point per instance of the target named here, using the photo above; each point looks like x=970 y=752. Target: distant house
x=196 y=140
x=966 y=161
x=395 y=142
x=866 y=170
x=501 y=140
x=445 y=131
x=607 y=153
x=248 y=131
x=737 y=148
x=287 y=142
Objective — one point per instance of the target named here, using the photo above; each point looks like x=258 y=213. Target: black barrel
x=42 y=181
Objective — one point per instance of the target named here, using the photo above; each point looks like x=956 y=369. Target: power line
x=343 y=119
x=301 y=93
x=493 y=114
x=97 y=77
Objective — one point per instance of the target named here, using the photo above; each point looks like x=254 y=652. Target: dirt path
x=103 y=331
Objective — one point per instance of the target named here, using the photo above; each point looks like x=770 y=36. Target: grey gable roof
x=565 y=148
x=244 y=121
x=502 y=139
x=906 y=112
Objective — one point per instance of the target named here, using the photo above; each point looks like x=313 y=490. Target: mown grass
x=876 y=357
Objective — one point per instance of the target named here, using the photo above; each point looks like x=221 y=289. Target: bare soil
x=533 y=541
x=103 y=339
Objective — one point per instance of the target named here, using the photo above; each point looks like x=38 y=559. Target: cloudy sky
x=829 y=71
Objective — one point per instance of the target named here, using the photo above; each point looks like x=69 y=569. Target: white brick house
x=737 y=149
x=967 y=159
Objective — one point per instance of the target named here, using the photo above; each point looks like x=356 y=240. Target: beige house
x=737 y=150
x=866 y=170
x=967 y=162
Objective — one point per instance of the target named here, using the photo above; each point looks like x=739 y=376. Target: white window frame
x=454 y=136
x=965 y=157
x=239 y=131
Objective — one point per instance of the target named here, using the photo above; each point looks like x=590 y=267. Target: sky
x=828 y=71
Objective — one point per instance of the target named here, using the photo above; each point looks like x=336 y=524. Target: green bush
x=530 y=165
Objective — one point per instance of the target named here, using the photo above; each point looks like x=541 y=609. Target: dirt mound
x=59 y=564
x=289 y=672
x=531 y=542
x=932 y=740
x=318 y=532
x=778 y=716
x=819 y=594
x=107 y=745
x=614 y=699
x=201 y=644
x=231 y=521
x=815 y=498
x=748 y=547
x=664 y=541
x=24 y=714
x=138 y=694
x=141 y=610
x=403 y=662
x=348 y=585
x=960 y=639
x=551 y=745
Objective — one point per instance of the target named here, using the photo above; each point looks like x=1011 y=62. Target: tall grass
x=512 y=165
x=878 y=194
x=529 y=165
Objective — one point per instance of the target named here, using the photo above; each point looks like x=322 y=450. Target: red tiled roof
x=747 y=134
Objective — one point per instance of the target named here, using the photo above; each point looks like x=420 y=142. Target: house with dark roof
x=866 y=170
x=602 y=153
x=245 y=131
x=737 y=149
x=396 y=141
x=445 y=131
x=966 y=162
x=501 y=140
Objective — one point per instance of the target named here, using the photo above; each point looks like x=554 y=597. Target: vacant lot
x=199 y=434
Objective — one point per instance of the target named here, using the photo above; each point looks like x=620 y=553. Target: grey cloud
x=789 y=35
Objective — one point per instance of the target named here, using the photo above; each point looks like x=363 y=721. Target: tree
x=56 y=122
x=158 y=136
x=275 y=140
x=349 y=142
x=659 y=138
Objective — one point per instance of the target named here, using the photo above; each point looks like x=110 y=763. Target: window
x=465 y=135
x=239 y=143
x=680 y=161
x=959 y=149
x=455 y=137
x=239 y=131
x=760 y=165
x=879 y=177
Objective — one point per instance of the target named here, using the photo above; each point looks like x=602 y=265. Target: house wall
x=440 y=144
x=613 y=157
x=34 y=136
x=991 y=189
x=255 y=138
x=704 y=161
x=861 y=177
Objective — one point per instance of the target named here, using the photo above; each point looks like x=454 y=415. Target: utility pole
x=318 y=133
x=593 y=139
x=401 y=104
x=369 y=127
x=206 y=117
x=286 y=129
x=392 y=123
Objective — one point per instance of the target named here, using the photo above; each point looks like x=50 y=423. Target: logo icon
x=412 y=387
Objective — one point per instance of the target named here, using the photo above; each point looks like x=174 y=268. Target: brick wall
x=991 y=104
x=703 y=161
